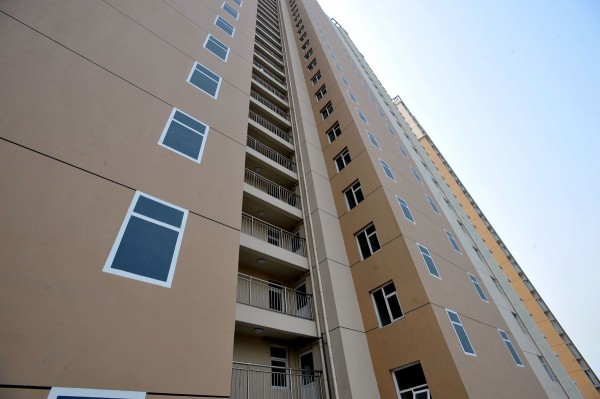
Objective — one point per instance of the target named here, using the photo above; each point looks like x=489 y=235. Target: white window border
x=402 y=150
x=419 y=246
x=233 y=27
x=382 y=162
x=352 y=96
x=387 y=305
x=350 y=189
x=508 y=341
x=484 y=298
x=189 y=80
x=448 y=311
x=111 y=256
x=418 y=388
x=359 y=113
x=237 y=12
x=451 y=238
x=166 y=128
x=398 y=199
x=239 y=5
x=209 y=50
x=368 y=242
x=55 y=392
x=372 y=138
x=340 y=155
x=416 y=175
x=432 y=203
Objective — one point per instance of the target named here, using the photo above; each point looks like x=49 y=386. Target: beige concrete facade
x=570 y=359
x=262 y=288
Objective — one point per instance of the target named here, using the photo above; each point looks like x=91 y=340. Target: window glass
x=368 y=243
x=342 y=160
x=354 y=195
x=205 y=79
x=216 y=47
x=411 y=383
x=334 y=132
x=147 y=245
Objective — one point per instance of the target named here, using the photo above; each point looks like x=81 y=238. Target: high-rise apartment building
x=209 y=199
x=566 y=352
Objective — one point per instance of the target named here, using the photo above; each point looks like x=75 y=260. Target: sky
x=510 y=93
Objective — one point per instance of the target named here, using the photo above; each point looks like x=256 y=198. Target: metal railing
x=273 y=189
x=267 y=38
x=268 y=60
x=270 y=88
x=257 y=381
x=263 y=19
x=263 y=12
x=265 y=295
x=269 y=73
x=273 y=235
x=270 y=105
x=270 y=127
x=265 y=26
x=261 y=47
x=270 y=153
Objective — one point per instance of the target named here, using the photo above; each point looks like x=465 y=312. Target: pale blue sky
x=510 y=93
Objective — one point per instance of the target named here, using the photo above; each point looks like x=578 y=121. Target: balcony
x=272 y=189
x=279 y=96
x=267 y=63
x=268 y=24
x=266 y=53
x=273 y=235
x=268 y=41
x=262 y=124
x=278 y=112
x=276 y=298
x=270 y=74
x=255 y=381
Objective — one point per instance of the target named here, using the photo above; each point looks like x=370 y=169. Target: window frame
x=478 y=288
x=362 y=116
x=312 y=65
x=336 y=130
x=342 y=156
x=55 y=392
x=316 y=77
x=231 y=9
x=415 y=389
x=402 y=150
x=433 y=265
x=218 y=43
x=386 y=168
x=373 y=140
x=321 y=92
x=459 y=323
x=284 y=376
x=386 y=298
x=130 y=212
x=220 y=18
x=405 y=209
x=308 y=54
x=168 y=125
x=351 y=190
x=453 y=241
x=432 y=204
x=367 y=238
x=416 y=174
x=194 y=69
x=329 y=108
x=509 y=345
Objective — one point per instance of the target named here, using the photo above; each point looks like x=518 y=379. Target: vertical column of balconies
x=272 y=298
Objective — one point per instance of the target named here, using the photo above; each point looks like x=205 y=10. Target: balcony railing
x=270 y=127
x=273 y=235
x=270 y=105
x=269 y=73
x=270 y=88
x=269 y=42
x=273 y=189
x=270 y=153
x=274 y=29
x=256 y=381
x=261 y=48
x=271 y=64
x=265 y=295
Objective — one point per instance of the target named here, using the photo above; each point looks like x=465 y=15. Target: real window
x=301 y=29
x=224 y=25
x=80 y=393
x=353 y=195
x=216 y=47
x=327 y=110
x=510 y=348
x=352 y=96
x=312 y=64
x=411 y=383
x=478 y=287
x=205 y=79
x=308 y=54
x=387 y=304
x=305 y=45
x=416 y=174
x=342 y=160
x=316 y=78
x=303 y=36
x=373 y=140
x=230 y=10
x=184 y=135
x=402 y=150
x=461 y=333
x=321 y=93
x=279 y=367
x=334 y=132
x=148 y=242
x=387 y=170
x=405 y=209
x=452 y=241
x=429 y=261
x=367 y=240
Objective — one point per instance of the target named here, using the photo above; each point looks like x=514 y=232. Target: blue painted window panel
x=157 y=211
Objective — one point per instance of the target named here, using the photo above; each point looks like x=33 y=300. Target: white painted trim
x=95 y=393
x=387 y=305
x=419 y=246
x=452 y=239
x=432 y=204
x=382 y=162
x=484 y=299
x=448 y=311
x=189 y=80
x=223 y=19
x=166 y=128
x=372 y=138
x=218 y=41
x=236 y=11
x=108 y=265
x=398 y=199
